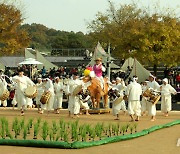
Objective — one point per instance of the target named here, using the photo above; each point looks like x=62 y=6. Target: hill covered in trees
x=42 y=37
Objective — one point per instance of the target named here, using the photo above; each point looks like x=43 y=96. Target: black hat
x=1 y=70
x=20 y=70
x=75 y=74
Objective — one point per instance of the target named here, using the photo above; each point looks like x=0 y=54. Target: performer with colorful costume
x=98 y=69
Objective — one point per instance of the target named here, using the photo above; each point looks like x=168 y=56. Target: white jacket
x=134 y=91
x=58 y=88
x=167 y=90
x=48 y=86
x=154 y=85
x=22 y=82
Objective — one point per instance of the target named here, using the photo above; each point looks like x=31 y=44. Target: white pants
x=84 y=105
x=123 y=106
x=58 y=101
x=38 y=97
x=14 y=102
x=49 y=105
x=73 y=104
x=4 y=103
x=117 y=107
x=101 y=79
x=166 y=104
x=144 y=105
x=134 y=108
x=148 y=106
x=152 y=109
x=29 y=101
x=21 y=99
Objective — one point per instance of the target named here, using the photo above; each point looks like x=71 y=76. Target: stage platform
x=97 y=111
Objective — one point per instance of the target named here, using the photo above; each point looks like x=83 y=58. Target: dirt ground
x=162 y=141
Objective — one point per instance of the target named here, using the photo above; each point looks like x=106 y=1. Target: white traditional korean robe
x=133 y=92
x=73 y=104
x=40 y=91
x=3 y=87
x=145 y=105
x=152 y=107
x=48 y=86
x=22 y=83
x=58 y=98
x=121 y=105
x=166 y=91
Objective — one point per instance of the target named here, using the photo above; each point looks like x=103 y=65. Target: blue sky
x=73 y=15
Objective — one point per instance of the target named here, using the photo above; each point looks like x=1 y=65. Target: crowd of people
x=55 y=84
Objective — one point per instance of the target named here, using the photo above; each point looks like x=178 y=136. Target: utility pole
x=108 y=63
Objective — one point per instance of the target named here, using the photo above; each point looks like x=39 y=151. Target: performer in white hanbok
x=29 y=102
x=73 y=103
x=166 y=91
x=58 y=98
x=66 y=83
x=3 y=85
x=154 y=86
x=133 y=93
x=116 y=107
x=84 y=98
x=144 y=103
x=48 y=87
x=13 y=95
x=22 y=83
x=40 y=90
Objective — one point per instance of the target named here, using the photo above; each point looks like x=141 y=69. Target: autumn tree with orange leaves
x=12 y=37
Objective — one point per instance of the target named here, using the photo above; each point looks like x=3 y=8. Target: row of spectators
x=173 y=74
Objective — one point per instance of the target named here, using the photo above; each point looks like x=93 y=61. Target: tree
x=152 y=38
x=12 y=38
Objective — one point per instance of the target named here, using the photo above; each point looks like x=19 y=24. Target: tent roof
x=2 y=66
x=11 y=61
x=128 y=62
x=139 y=71
x=100 y=53
x=39 y=58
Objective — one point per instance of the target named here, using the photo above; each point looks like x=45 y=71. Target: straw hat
x=98 y=59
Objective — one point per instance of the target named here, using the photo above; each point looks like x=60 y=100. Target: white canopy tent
x=30 y=61
x=128 y=62
x=139 y=71
x=39 y=58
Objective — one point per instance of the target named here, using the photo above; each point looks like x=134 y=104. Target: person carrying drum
x=98 y=69
x=166 y=91
x=58 y=98
x=40 y=90
x=49 y=90
x=133 y=93
x=152 y=84
x=22 y=83
x=84 y=98
x=117 y=106
x=73 y=103
x=144 y=102
x=3 y=85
